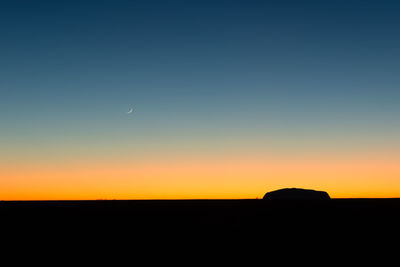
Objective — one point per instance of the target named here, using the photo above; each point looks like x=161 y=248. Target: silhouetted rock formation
x=297 y=193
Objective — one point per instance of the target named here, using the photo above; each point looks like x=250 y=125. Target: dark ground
x=196 y=226
x=207 y=215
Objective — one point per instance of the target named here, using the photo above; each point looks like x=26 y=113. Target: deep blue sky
x=202 y=74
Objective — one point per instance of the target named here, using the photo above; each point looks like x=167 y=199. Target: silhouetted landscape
x=228 y=229
x=191 y=226
x=251 y=217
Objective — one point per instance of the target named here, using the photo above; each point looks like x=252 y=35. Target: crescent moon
x=130 y=111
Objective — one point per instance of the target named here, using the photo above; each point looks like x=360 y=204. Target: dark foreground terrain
x=175 y=226
x=196 y=216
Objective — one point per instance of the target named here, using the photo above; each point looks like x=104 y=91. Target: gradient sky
x=232 y=98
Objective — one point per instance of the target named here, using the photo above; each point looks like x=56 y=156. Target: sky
x=231 y=99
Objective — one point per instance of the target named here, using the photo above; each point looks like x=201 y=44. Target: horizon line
x=176 y=199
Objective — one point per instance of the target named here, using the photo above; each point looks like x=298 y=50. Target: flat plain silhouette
x=229 y=221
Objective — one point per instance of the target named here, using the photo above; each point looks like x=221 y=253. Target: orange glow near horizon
x=199 y=179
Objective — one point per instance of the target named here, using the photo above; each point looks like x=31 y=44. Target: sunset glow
x=200 y=178
x=198 y=99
